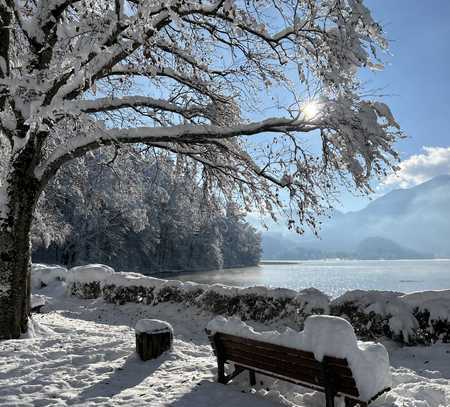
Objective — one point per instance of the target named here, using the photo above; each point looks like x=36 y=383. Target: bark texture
x=15 y=248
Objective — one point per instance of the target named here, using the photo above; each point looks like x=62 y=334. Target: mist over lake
x=334 y=277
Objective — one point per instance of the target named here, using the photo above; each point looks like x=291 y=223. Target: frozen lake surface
x=334 y=277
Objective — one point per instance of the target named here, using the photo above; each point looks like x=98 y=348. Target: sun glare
x=310 y=110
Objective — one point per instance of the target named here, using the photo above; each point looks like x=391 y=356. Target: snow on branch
x=199 y=76
x=109 y=103
x=187 y=133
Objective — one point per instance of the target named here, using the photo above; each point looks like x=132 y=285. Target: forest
x=140 y=212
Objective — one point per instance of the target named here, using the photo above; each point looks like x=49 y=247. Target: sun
x=311 y=109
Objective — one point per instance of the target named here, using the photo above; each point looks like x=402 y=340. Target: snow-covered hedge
x=415 y=318
x=432 y=310
x=408 y=318
x=378 y=313
x=255 y=303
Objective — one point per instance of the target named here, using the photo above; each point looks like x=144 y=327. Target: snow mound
x=37 y=330
x=324 y=335
x=90 y=273
x=42 y=275
x=311 y=299
x=152 y=326
x=366 y=298
x=437 y=303
x=37 y=300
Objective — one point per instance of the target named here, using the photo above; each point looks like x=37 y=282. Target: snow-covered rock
x=324 y=335
x=152 y=326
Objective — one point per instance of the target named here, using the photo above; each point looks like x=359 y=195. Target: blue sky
x=416 y=82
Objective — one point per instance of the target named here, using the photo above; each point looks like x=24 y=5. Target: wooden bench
x=332 y=376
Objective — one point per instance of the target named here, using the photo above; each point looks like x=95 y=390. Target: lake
x=334 y=277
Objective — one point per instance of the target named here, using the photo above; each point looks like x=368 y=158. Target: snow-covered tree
x=138 y=212
x=191 y=77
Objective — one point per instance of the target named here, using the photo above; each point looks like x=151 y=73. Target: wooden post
x=153 y=338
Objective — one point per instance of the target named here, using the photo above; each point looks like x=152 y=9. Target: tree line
x=148 y=216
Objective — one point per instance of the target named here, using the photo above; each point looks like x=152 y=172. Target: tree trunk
x=15 y=250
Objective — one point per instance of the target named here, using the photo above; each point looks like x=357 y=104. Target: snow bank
x=43 y=275
x=325 y=335
x=152 y=326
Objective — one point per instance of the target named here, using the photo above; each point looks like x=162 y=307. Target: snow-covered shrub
x=86 y=290
x=256 y=303
x=432 y=311
x=43 y=275
x=261 y=308
x=374 y=314
x=170 y=291
x=86 y=281
x=219 y=299
x=121 y=295
x=309 y=301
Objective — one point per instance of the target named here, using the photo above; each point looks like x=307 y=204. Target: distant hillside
x=381 y=248
x=405 y=223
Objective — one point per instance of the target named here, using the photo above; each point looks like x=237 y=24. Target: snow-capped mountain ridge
x=415 y=220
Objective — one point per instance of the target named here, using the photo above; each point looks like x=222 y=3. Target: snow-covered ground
x=82 y=354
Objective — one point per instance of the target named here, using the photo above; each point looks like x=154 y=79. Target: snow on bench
x=325 y=338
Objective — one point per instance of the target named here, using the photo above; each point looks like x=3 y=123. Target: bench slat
x=303 y=376
x=295 y=360
x=342 y=384
x=283 y=349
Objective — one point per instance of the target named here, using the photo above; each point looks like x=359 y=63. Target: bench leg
x=352 y=403
x=221 y=371
x=329 y=398
x=252 y=377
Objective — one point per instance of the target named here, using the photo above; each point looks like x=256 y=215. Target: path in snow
x=89 y=360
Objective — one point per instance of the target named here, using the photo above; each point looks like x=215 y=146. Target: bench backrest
x=289 y=364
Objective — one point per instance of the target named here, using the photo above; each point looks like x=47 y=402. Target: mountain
x=381 y=248
x=405 y=223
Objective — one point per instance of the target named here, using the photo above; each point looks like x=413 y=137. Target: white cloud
x=419 y=168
